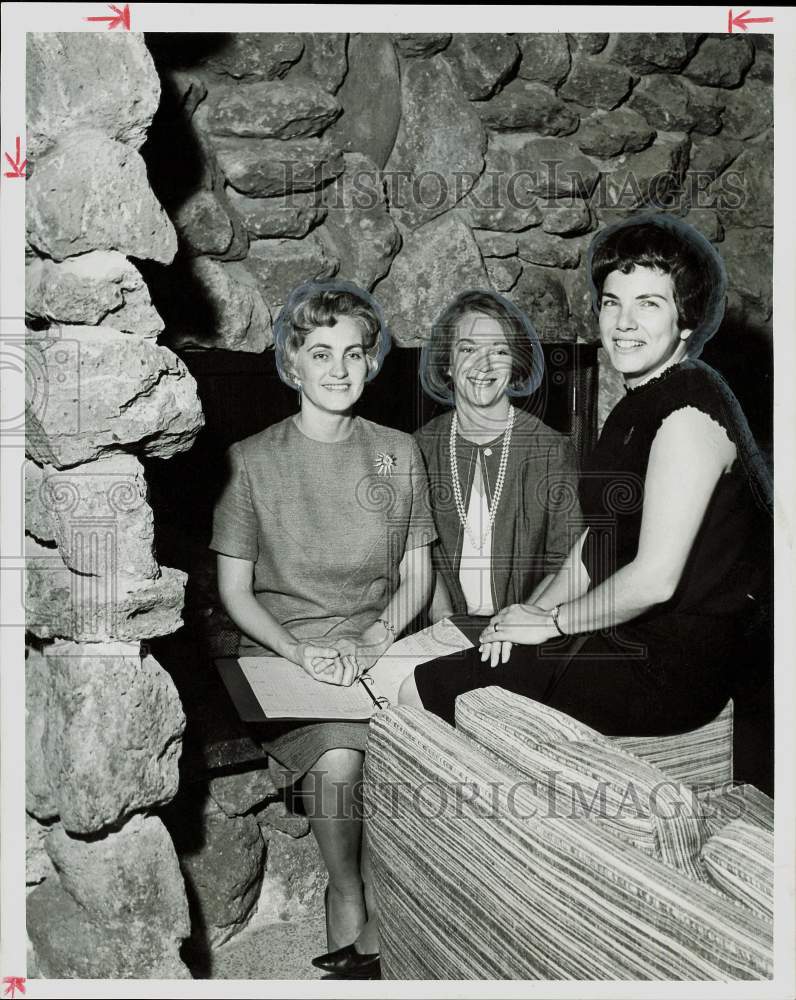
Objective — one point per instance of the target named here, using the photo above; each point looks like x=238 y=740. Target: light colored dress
x=326 y=525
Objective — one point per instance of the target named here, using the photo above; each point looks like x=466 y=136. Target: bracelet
x=554 y=615
x=388 y=625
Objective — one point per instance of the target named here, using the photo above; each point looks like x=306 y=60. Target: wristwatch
x=388 y=625
x=554 y=615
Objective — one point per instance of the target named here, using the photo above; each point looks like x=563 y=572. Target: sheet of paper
x=440 y=639
x=286 y=691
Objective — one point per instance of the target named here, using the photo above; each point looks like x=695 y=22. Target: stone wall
x=421 y=165
x=104 y=721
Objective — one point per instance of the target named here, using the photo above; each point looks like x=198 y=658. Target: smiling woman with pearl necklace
x=503 y=484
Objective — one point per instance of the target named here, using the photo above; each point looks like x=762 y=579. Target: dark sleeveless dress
x=672 y=668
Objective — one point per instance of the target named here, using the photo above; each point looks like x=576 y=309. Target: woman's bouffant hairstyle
x=323 y=303
x=527 y=367
x=673 y=247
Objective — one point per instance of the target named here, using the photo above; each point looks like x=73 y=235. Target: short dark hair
x=670 y=246
x=316 y=304
x=527 y=366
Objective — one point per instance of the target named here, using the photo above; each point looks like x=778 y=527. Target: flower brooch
x=385 y=463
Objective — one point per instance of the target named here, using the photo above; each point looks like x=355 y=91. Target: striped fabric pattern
x=700 y=757
x=723 y=805
x=740 y=860
x=606 y=783
x=475 y=882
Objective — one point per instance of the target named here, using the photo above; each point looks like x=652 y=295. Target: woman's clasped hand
x=527 y=624
x=341 y=660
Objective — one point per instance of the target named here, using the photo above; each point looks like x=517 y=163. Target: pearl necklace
x=501 y=478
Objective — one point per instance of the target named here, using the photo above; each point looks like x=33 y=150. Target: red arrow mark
x=18 y=169
x=12 y=984
x=120 y=17
x=742 y=21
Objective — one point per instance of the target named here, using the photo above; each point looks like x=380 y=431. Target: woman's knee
x=408 y=693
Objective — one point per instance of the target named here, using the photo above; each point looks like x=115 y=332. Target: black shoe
x=348 y=963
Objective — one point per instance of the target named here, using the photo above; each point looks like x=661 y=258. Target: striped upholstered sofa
x=524 y=845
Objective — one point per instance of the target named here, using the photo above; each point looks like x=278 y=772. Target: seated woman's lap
x=596 y=680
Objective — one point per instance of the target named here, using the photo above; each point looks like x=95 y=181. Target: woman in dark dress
x=639 y=631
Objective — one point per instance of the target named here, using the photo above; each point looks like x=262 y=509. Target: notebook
x=265 y=688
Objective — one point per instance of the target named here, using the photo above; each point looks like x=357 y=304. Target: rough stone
x=101 y=288
x=106 y=500
x=111 y=737
x=40 y=800
x=496 y=201
x=274 y=109
x=524 y=104
x=652 y=177
x=371 y=99
x=652 y=52
x=748 y=257
x=744 y=195
x=266 y=167
x=592 y=43
x=749 y=110
x=62 y=96
x=545 y=57
x=435 y=265
x=295 y=879
x=614 y=133
x=427 y=44
x=187 y=90
x=69 y=944
x=358 y=231
x=495 y=244
x=710 y=156
x=202 y=224
x=92 y=193
x=439 y=150
x=255 y=55
x=291 y=215
x=503 y=273
x=276 y=816
x=62 y=604
x=763 y=66
x=38 y=866
x=670 y=104
x=539 y=247
x=483 y=62
x=582 y=324
x=707 y=221
x=565 y=216
x=596 y=83
x=236 y=317
x=38 y=520
x=238 y=794
x=325 y=60
x=722 y=61
x=98 y=391
x=280 y=265
x=541 y=294
x=546 y=167
x=222 y=860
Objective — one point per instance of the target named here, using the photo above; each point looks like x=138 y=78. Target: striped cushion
x=700 y=757
x=721 y=806
x=475 y=882
x=594 y=780
x=740 y=860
